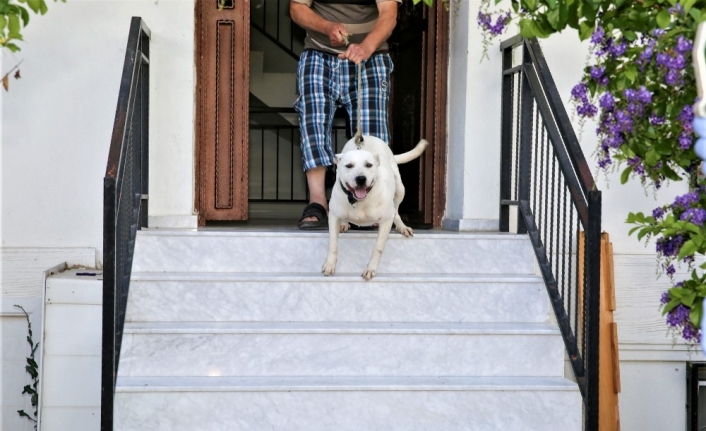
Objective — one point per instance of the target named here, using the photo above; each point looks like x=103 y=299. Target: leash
x=359 y=132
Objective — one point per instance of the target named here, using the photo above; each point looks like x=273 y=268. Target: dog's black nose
x=360 y=180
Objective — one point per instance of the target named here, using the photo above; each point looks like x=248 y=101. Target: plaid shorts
x=325 y=82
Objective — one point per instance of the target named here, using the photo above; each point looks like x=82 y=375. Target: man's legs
x=318 y=90
x=315 y=179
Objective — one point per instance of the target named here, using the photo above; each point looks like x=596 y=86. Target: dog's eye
x=368 y=165
x=349 y=165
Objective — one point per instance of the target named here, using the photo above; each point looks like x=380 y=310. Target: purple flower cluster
x=580 y=94
x=605 y=45
x=696 y=216
x=674 y=61
x=485 y=21
x=686 y=137
x=686 y=200
x=678 y=319
x=677 y=9
x=616 y=124
x=598 y=74
x=664 y=299
x=636 y=164
x=658 y=213
x=669 y=246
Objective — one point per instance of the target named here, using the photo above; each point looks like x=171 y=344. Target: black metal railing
x=275 y=156
x=547 y=191
x=271 y=19
x=124 y=203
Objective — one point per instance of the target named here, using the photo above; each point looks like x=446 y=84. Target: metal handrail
x=124 y=203
x=546 y=178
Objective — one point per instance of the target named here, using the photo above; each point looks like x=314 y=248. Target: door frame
x=434 y=89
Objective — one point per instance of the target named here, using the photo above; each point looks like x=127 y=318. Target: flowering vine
x=639 y=86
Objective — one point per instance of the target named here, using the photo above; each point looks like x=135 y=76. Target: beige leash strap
x=359 y=132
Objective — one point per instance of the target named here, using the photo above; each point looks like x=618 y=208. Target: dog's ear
x=336 y=159
x=377 y=159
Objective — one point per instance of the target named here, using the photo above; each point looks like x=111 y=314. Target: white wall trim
x=173 y=221
x=481 y=225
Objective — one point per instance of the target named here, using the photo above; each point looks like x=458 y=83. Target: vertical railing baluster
x=592 y=292
x=506 y=141
x=262 y=163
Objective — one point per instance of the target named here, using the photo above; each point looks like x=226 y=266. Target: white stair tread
x=353 y=383
x=445 y=328
x=279 y=232
x=318 y=277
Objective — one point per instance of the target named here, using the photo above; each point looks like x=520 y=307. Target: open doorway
x=269 y=154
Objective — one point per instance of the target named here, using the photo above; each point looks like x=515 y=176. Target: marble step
x=297 y=297
x=341 y=349
x=290 y=250
x=347 y=404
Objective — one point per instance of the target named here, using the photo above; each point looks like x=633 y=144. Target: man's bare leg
x=316 y=180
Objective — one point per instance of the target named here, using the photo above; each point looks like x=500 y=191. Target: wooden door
x=222 y=76
x=419 y=48
x=434 y=97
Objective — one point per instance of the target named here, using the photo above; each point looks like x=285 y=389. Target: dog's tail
x=411 y=154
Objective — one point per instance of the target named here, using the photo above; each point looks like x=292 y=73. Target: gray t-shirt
x=359 y=20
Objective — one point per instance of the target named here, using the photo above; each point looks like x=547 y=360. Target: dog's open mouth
x=359 y=192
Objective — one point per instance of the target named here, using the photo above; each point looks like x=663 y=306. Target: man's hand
x=337 y=34
x=357 y=53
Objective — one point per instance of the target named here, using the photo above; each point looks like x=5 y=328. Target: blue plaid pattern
x=325 y=82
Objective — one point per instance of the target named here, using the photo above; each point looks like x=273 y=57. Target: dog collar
x=351 y=197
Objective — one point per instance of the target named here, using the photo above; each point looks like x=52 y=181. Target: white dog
x=368 y=191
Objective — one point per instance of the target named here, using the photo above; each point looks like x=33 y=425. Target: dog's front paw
x=405 y=230
x=369 y=274
x=329 y=268
x=345 y=227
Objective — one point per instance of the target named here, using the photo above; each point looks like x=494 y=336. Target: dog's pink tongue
x=360 y=192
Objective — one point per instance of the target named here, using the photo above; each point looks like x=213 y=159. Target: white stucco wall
x=55 y=128
x=57 y=120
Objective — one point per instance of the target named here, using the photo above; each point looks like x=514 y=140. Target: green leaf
x=643 y=232
x=696 y=312
x=631 y=72
x=671 y=305
x=586 y=30
x=625 y=175
x=652 y=157
x=34 y=5
x=633 y=230
x=688 y=299
x=14 y=27
x=529 y=28
x=663 y=18
x=688 y=249
x=530 y=5
x=688 y=4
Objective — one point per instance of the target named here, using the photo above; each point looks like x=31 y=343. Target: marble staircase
x=238 y=330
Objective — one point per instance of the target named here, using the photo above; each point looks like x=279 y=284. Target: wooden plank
x=607 y=271
x=615 y=358
x=608 y=416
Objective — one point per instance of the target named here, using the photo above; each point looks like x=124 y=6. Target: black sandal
x=314 y=210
